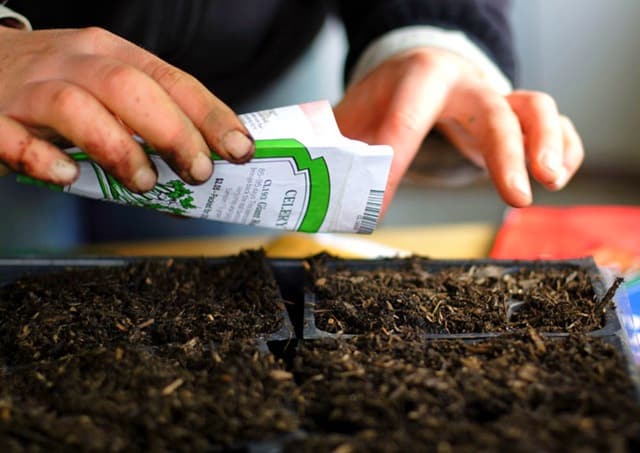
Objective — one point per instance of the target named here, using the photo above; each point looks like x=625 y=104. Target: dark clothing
x=485 y=22
x=237 y=47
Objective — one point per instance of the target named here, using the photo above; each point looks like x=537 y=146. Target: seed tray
x=383 y=397
x=614 y=311
x=13 y=269
x=118 y=399
x=291 y=275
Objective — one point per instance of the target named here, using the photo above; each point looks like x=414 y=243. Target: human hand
x=94 y=88
x=398 y=102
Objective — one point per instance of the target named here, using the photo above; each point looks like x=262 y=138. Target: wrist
x=405 y=39
x=450 y=65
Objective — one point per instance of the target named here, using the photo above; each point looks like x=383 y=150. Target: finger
x=503 y=149
x=489 y=118
x=573 y=150
x=147 y=109
x=540 y=122
x=218 y=124
x=404 y=115
x=56 y=104
x=34 y=157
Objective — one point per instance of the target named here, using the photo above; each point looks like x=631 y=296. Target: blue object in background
x=633 y=290
x=633 y=327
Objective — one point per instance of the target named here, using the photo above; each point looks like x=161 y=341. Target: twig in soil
x=600 y=306
x=147 y=323
x=537 y=340
x=169 y=389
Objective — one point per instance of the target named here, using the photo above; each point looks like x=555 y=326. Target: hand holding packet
x=305 y=176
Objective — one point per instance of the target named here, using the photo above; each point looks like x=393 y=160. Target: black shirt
x=226 y=43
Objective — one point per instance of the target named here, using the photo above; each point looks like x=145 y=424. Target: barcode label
x=371 y=212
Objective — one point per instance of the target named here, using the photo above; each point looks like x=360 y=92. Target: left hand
x=402 y=99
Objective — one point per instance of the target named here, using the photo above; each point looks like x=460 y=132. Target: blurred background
x=585 y=53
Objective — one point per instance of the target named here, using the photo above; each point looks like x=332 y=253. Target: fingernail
x=4 y=170
x=520 y=183
x=561 y=179
x=201 y=168
x=237 y=145
x=64 y=171
x=552 y=161
x=144 y=179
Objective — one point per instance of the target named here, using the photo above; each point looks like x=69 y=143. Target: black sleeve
x=485 y=22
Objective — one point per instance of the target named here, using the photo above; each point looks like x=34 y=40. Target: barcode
x=371 y=212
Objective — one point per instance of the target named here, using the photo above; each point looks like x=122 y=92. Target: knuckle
x=168 y=76
x=498 y=118
x=118 y=78
x=30 y=160
x=551 y=133
x=21 y=150
x=433 y=63
x=171 y=137
x=94 y=37
x=116 y=160
x=23 y=157
x=501 y=128
x=493 y=130
x=68 y=98
x=421 y=60
x=492 y=105
x=541 y=102
x=403 y=121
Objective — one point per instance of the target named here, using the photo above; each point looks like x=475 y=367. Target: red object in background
x=611 y=234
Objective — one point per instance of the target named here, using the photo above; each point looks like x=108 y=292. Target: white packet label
x=305 y=176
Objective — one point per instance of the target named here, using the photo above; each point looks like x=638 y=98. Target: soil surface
x=152 y=302
x=479 y=299
x=162 y=355
x=513 y=393
x=125 y=399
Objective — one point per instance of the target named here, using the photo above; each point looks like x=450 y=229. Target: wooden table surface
x=467 y=240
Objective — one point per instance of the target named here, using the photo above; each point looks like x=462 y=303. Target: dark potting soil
x=151 y=302
x=479 y=299
x=513 y=393
x=126 y=399
x=153 y=357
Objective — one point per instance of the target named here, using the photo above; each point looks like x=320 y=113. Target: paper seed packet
x=305 y=176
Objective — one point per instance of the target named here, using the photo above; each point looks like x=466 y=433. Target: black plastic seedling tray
x=13 y=268
x=185 y=360
x=296 y=291
x=612 y=325
x=480 y=384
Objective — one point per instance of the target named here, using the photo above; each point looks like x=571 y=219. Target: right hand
x=515 y=137
x=94 y=88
